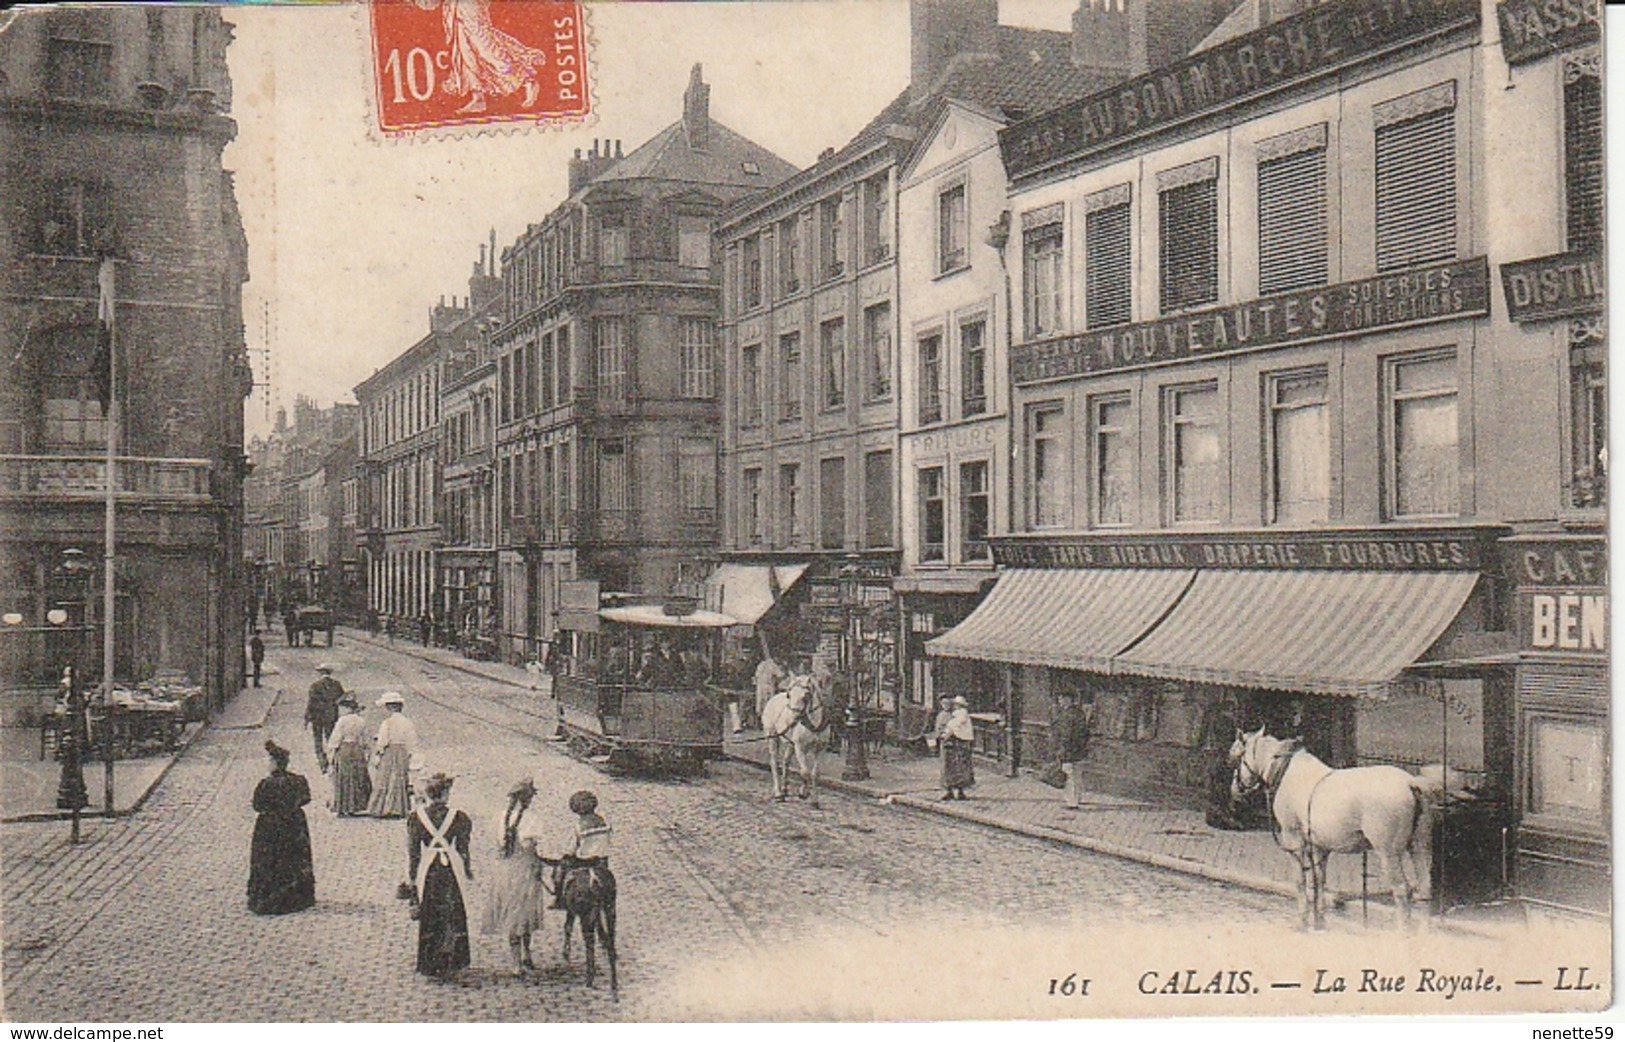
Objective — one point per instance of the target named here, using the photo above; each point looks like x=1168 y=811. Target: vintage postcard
x=529 y=510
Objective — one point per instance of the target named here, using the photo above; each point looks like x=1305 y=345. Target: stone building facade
x=112 y=127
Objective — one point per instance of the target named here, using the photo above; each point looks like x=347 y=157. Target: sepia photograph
x=518 y=511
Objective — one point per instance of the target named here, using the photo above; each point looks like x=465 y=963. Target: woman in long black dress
x=281 y=875
x=438 y=837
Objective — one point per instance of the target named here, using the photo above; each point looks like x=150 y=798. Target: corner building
x=1283 y=435
x=112 y=127
x=606 y=375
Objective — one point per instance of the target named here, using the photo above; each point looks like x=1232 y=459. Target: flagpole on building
x=107 y=306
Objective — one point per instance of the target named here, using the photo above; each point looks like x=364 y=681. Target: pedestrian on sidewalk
x=441 y=873
x=322 y=710
x=392 y=754
x=281 y=874
x=514 y=909
x=957 y=737
x=347 y=750
x=256 y=655
x=1071 y=730
x=290 y=622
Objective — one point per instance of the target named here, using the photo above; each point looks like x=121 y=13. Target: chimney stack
x=940 y=30
x=696 y=112
x=1108 y=37
x=585 y=168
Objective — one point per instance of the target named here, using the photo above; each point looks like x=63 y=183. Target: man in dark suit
x=322 y=710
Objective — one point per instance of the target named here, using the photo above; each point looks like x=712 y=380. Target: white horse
x=1319 y=811
x=796 y=721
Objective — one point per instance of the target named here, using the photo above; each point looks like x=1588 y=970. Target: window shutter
x=1190 y=244
x=1416 y=190
x=1583 y=153
x=1108 y=280
x=1292 y=222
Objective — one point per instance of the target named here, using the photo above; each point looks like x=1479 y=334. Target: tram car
x=636 y=683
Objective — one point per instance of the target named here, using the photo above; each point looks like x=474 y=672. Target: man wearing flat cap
x=322 y=710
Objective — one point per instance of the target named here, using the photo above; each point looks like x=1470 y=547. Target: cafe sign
x=1431 y=550
x=1559 y=286
x=1433 y=293
x=1324 y=39
x=1532 y=29
x=1562 y=594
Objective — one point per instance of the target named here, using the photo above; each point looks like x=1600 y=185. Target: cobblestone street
x=147 y=920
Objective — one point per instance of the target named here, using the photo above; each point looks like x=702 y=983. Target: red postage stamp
x=448 y=63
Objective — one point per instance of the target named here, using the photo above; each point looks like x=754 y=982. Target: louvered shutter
x=1190 y=244
x=1108 y=280
x=1583 y=157
x=1292 y=222
x=1416 y=191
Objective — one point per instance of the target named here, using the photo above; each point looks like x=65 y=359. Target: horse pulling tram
x=635 y=684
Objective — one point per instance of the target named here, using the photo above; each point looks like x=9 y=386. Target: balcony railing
x=84 y=477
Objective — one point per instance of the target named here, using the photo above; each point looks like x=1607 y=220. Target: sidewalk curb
x=140 y=801
x=1098 y=846
x=406 y=649
x=257 y=724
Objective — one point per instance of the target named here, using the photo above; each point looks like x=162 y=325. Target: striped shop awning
x=1331 y=633
x=1069 y=618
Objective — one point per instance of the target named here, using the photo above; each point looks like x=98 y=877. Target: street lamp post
x=71 y=794
x=857 y=757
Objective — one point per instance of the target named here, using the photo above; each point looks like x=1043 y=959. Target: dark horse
x=587 y=893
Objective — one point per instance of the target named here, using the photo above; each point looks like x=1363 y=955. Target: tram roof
x=655 y=615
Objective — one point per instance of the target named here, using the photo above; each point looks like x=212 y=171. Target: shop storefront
x=929 y=608
x=1179 y=640
x=1563 y=803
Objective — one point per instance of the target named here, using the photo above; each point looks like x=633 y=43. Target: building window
x=612 y=479
x=697 y=477
x=1583 y=150
x=753 y=505
x=612 y=243
x=1299 y=450
x=1192 y=453
x=1188 y=243
x=877 y=499
x=1047 y=449
x=930 y=362
x=1042 y=279
x=973 y=368
x=877 y=353
x=1292 y=251
x=877 y=218
x=81 y=69
x=750 y=273
x=610 y=353
x=693 y=243
x=1588 y=376
x=544 y=372
x=74 y=219
x=831 y=239
x=1416 y=182
x=933 y=516
x=698 y=374
x=790 y=259
x=790 y=376
x=1112 y=441
x=750 y=386
x=832 y=503
x=1108 y=279
x=832 y=334
x=1423 y=436
x=565 y=386
x=73 y=418
x=953 y=229
x=974 y=506
x=790 y=501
